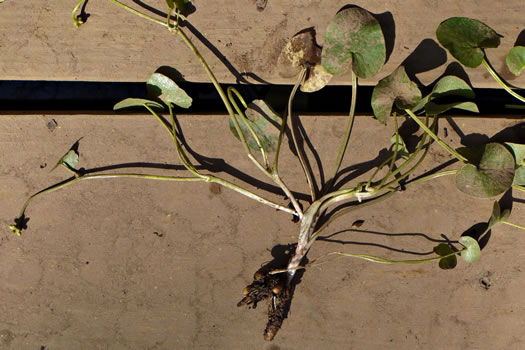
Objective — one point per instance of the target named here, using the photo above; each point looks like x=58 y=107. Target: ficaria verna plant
x=354 y=44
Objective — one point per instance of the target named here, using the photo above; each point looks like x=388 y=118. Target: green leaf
x=516 y=60
x=505 y=215
x=396 y=88
x=354 y=40
x=465 y=38
x=519 y=176
x=519 y=152
x=449 y=85
x=180 y=4
x=136 y=102
x=472 y=252
x=264 y=121
x=433 y=108
x=519 y=156
x=450 y=261
x=70 y=160
x=495 y=218
x=162 y=87
x=492 y=176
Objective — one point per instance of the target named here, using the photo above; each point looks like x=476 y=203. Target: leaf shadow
x=216 y=165
x=83 y=15
x=240 y=78
x=427 y=56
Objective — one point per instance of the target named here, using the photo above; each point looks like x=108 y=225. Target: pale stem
x=408 y=161
x=436 y=138
x=513 y=225
x=241 y=115
x=394 y=156
x=300 y=153
x=500 y=81
x=161 y=120
x=434 y=176
x=207 y=178
x=220 y=91
x=519 y=188
x=348 y=132
x=75 y=9
x=366 y=257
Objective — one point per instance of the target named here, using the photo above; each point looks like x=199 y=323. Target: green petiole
x=436 y=138
x=500 y=81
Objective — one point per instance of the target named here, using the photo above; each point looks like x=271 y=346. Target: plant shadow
x=240 y=78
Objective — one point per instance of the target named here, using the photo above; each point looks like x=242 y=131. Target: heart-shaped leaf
x=516 y=60
x=354 y=40
x=298 y=53
x=162 y=87
x=492 y=176
x=472 y=252
x=447 y=86
x=137 y=102
x=449 y=261
x=264 y=121
x=396 y=88
x=465 y=38
x=451 y=85
x=519 y=157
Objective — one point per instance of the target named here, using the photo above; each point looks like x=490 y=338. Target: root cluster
x=277 y=290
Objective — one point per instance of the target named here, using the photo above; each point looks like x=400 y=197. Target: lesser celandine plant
x=354 y=45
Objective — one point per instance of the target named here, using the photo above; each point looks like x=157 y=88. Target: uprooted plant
x=354 y=44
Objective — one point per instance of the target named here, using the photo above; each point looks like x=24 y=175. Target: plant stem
x=371 y=258
x=348 y=132
x=221 y=93
x=207 y=178
x=300 y=79
x=512 y=106
x=163 y=122
x=394 y=156
x=519 y=188
x=143 y=15
x=293 y=130
x=241 y=115
x=433 y=176
x=344 y=211
x=513 y=225
x=182 y=155
x=76 y=21
x=406 y=174
x=402 y=166
x=436 y=138
x=500 y=81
